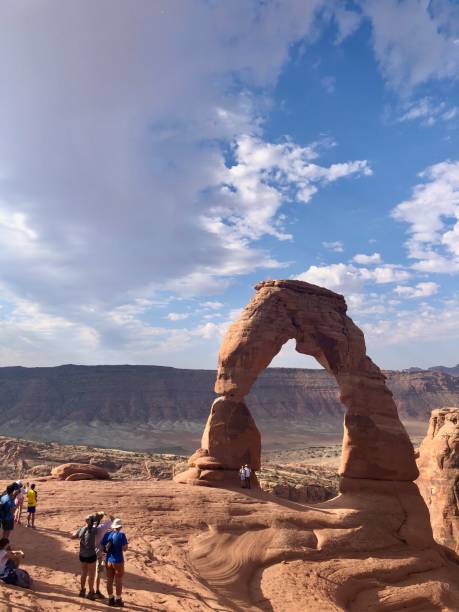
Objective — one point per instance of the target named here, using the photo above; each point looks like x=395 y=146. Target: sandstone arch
x=375 y=443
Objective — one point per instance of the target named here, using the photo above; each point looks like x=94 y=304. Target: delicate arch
x=375 y=443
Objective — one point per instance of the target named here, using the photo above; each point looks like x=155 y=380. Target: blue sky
x=155 y=164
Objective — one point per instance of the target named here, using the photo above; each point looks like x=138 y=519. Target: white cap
x=117 y=523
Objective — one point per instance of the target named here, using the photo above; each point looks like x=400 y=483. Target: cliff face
x=156 y=407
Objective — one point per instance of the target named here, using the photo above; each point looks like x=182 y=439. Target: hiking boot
x=119 y=603
x=100 y=595
x=111 y=600
x=82 y=593
x=92 y=596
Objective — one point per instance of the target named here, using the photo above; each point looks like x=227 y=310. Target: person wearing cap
x=88 y=555
x=115 y=544
x=7 y=502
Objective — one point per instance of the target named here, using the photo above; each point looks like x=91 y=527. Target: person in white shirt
x=242 y=477
x=248 y=474
x=19 y=502
x=101 y=530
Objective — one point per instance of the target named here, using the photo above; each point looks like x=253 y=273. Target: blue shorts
x=31 y=509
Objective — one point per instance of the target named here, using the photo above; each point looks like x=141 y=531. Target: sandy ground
x=157 y=572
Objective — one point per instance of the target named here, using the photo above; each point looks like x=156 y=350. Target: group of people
x=102 y=546
x=11 y=507
x=245 y=474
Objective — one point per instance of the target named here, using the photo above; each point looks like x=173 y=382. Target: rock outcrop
x=375 y=445
x=438 y=462
x=79 y=471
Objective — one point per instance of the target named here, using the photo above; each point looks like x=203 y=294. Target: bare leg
x=91 y=576
x=33 y=519
x=84 y=574
x=98 y=574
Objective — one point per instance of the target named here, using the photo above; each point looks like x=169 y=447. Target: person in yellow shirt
x=31 y=505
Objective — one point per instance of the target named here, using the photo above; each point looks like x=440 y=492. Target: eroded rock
x=62 y=472
x=438 y=463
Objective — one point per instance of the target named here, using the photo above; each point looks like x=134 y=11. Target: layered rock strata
x=438 y=462
x=375 y=444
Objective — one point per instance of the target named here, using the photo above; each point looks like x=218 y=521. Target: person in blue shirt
x=8 y=508
x=115 y=543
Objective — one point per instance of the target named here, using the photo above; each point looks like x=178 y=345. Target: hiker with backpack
x=88 y=555
x=7 y=509
x=115 y=545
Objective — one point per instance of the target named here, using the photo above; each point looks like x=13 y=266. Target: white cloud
x=420 y=290
x=177 y=316
x=427 y=323
x=367 y=259
x=413 y=40
x=212 y=305
x=337 y=246
x=428 y=111
x=348 y=279
x=432 y=214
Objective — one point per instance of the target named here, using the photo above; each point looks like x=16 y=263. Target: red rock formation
x=64 y=471
x=438 y=463
x=375 y=444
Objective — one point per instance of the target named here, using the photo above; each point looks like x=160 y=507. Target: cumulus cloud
x=96 y=126
x=360 y=258
x=348 y=279
x=432 y=215
x=420 y=290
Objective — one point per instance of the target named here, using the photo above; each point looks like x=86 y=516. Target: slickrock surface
x=199 y=549
x=438 y=463
x=375 y=443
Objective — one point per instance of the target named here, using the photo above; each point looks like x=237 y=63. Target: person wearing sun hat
x=115 y=544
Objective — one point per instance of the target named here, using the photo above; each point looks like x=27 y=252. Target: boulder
x=61 y=472
x=81 y=476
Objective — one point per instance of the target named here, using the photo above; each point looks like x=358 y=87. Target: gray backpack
x=87 y=542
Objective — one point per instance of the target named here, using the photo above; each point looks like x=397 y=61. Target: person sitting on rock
x=88 y=555
x=242 y=476
x=7 y=509
x=248 y=474
x=101 y=530
x=32 y=497
x=115 y=544
x=9 y=559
